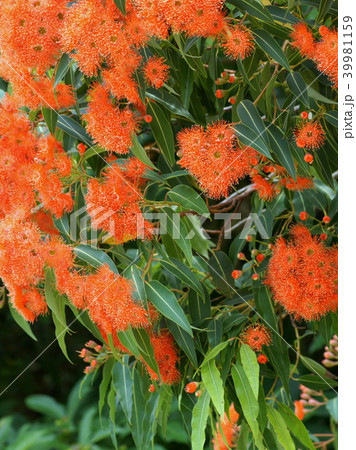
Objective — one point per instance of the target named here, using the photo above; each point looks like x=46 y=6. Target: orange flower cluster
x=110 y=126
x=256 y=336
x=302 y=275
x=227 y=430
x=214 y=157
x=237 y=41
x=30 y=45
x=114 y=205
x=167 y=358
x=31 y=168
x=323 y=52
x=309 y=135
x=155 y=71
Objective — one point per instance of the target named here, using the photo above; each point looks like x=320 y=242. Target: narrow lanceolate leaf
x=214 y=352
x=280 y=428
x=181 y=271
x=270 y=46
x=169 y=102
x=172 y=224
x=140 y=153
x=295 y=426
x=281 y=149
x=184 y=340
x=199 y=421
x=188 y=198
x=166 y=303
x=18 y=318
x=134 y=274
x=121 y=377
x=50 y=116
x=254 y=8
x=213 y=383
x=162 y=131
x=62 y=68
x=251 y=367
x=298 y=87
x=251 y=118
x=94 y=256
x=249 y=403
x=145 y=348
x=105 y=383
x=73 y=128
x=250 y=138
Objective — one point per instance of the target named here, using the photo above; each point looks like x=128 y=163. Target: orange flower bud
x=191 y=387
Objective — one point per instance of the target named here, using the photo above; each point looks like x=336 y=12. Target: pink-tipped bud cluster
x=331 y=353
x=308 y=397
x=95 y=358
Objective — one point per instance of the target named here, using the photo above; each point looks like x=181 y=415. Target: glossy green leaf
x=50 y=116
x=280 y=428
x=105 y=382
x=211 y=354
x=317 y=383
x=252 y=119
x=295 y=426
x=73 y=128
x=62 y=68
x=184 y=340
x=251 y=139
x=122 y=381
x=213 y=383
x=170 y=102
x=250 y=367
x=254 y=8
x=188 y=198
x=271 y=47
x=162 y=131
x=281 y=149
x=166 y=303
x=298 y=87
x=94 y=256
x=140 y=152
x=199 y=421
x=19 y=319
x=181 y=271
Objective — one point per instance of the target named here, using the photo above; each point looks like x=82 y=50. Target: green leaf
x=107 y=368
x=73 y=128
x=213 y=383
x=220 y=267
x=316 y=383
x=128 y=340
x=166 y=303
x=315 y=367
x=94 y=256
x=214 y=352
x=50 y=116
x=254 y=8
x=62 y=68
x=281 y=149
x=170 y=102
x=251 y=139
x=181 y=271
x=21 y=321
x=295 y=426
x=332 y=407
x=270 y=46
x=140 y=152
x=298 y=87
x=184 y=340
x=199 y=421
x=251 y=367
x=331 y=117
x=280 y=428
x=145 y=347
x=121 y=377
x=249 y=403
x=46 y=405
x=162 y=132
x=251 y=118
x=121 y=4
x=57 y=304
x=188 y=198
x=319 y=97
x=134 y=274
x=176 y=229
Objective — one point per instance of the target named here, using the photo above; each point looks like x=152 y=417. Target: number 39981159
x=347 y=47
